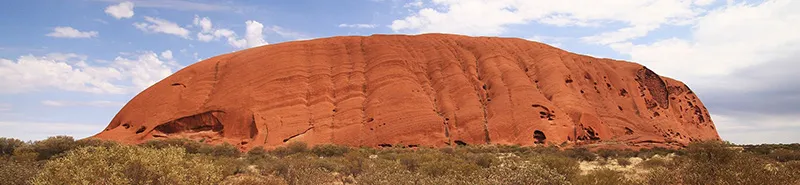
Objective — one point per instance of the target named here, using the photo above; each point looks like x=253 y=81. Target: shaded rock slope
x=419 y=90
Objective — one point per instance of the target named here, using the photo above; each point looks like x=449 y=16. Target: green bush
x=257 y=153
x=53 y=146
x=329 y=150
x=190 y=146
x=8 y=145
x=128 y=165
x=220 y=150
x=290 y=148
x=87 y=142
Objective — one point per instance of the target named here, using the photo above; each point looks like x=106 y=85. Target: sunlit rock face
x=422 y=90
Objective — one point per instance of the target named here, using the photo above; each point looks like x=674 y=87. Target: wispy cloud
x=358 y=25
x=5 y=107
x=181 y=5
x=41 y=130
x=57 y=103
x=69 y=32
x=156 y=25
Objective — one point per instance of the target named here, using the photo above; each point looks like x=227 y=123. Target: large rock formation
x=423 y=90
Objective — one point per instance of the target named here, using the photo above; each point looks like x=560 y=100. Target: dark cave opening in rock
x=539 y=136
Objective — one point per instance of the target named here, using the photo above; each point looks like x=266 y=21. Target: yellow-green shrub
x=13 y=172
x=128 y=165
x=7 y=145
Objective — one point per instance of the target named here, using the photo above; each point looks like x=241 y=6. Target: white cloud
x=166 y=55
x=122 y=75
x=56 y=103
x=184 y=5
x=5 y=107
x=253 y=37
x=65 y=56
x=358 y=25
x=156 y=25
x=69 y=32
x=120 y=11
x=254 y=34
x=493 y=17
x=41 y=130
x=725 y=40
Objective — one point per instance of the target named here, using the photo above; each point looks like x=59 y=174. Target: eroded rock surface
x=423 y=90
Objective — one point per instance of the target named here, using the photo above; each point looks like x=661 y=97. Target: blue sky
x=67 y=66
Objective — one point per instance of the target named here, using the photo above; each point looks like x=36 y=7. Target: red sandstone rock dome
x=423 y=90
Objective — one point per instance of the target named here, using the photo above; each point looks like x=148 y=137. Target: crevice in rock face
x=141 y=129
x=656 y=86
x=590 y=134
x=206 y=121
x=546 y=113
x=253 y=127
x=460 y=143
x=296 y=135
x=385 y=145
x=628 y=131
x=539 y=136
x=623 y=92
x=126 y=125
x=178 y=84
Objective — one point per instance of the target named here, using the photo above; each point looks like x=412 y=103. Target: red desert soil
x=423 y=90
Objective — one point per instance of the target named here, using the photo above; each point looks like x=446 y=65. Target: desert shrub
x=514 y=172
x=607 y=153
x=604 y=176
x=253 y=180
x=13 y=172
x=388 y=173
x=410 y=161
x=581 y=154
x=257 y=153
x=784 y=155
x=7 y=145
x=25 y=153
x=190 y=146
x=568 y=167
x=220 y=150
x=297 y=147
x=329 y=150
x=662 y=176
x=228 y=165
x=484 y=160
x=623 y=161
x=128 y=165
x=355 y=163
x=654 y=163
x=716 y=163
x=53 y=146
x=87 y=142
x=452 y=166
x=293 y=147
